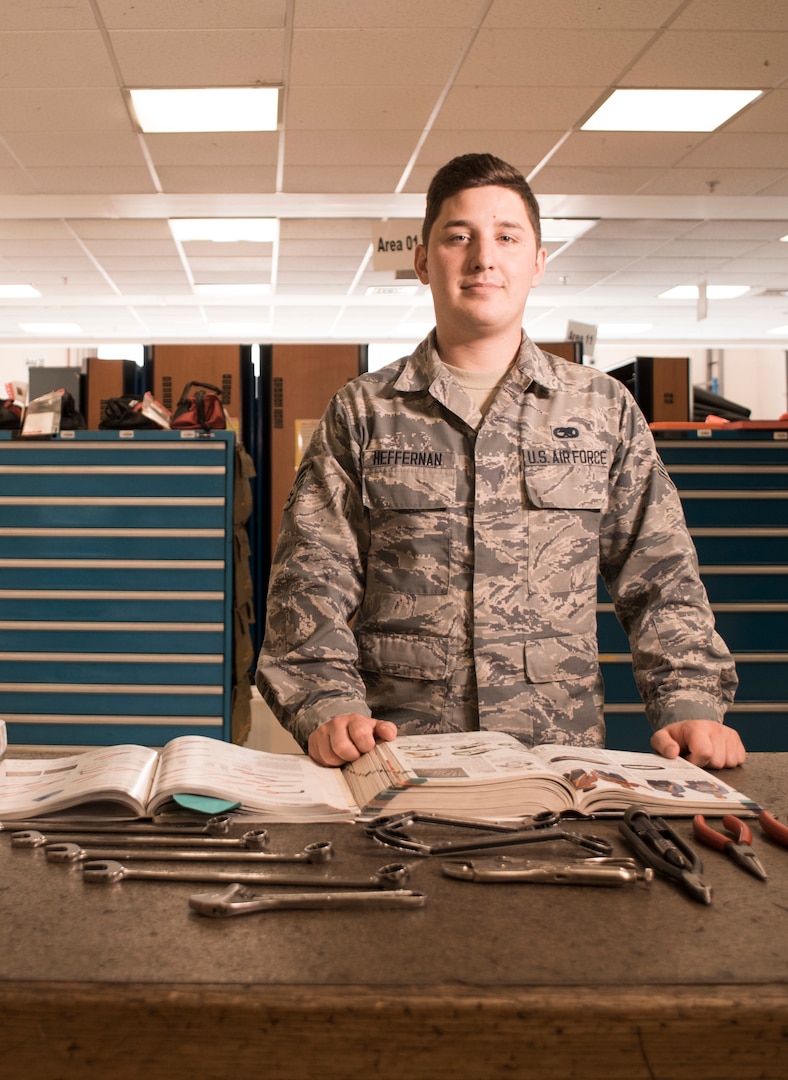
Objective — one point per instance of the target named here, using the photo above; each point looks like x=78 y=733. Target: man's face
x=480 y=263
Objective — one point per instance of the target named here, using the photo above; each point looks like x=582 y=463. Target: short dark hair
x=477 y=170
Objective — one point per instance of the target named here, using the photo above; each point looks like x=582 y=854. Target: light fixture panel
x=228 y=108
x=668 y=110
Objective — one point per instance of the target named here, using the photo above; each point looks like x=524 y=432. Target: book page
x=284 y=786
x=469 y=755
x=35 y=786
x=487 y=774
x=620 y=778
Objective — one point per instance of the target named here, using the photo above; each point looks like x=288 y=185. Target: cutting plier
x=773 y=828
x=737 y=846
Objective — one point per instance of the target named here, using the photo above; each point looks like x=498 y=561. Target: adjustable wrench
x=237 y=900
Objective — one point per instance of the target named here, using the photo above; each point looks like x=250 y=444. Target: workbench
x=516 y=980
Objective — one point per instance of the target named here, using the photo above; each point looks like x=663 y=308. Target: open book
x=135 y=781
x=480 y=774
x=491 y=775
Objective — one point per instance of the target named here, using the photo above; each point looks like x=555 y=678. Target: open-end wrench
x=238 y=900
x=319 y=852
x=212 y=826
x=103 y=872
x=254 y=840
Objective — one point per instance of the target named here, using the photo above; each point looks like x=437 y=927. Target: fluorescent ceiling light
x=781 y=330
x=226 y=230
x=622 y=329
x=18 y=292
x=784 y=239
x=233 y=290
x=668 y=110
x=233 y=108
x=51 y=328
x=558 y=229
x=713 y=292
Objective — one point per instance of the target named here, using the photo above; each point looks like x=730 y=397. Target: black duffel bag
x=124 y=413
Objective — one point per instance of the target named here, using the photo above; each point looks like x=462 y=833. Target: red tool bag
x=200 y=406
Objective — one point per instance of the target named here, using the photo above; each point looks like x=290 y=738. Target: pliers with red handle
x=737 y=846
x=773 y=828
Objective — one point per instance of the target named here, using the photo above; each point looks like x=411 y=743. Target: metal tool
x=313 y=853
x=254 y=840
x=238 y=900
x=541 y=829
x=661 y=848
x=593 y=871
x=188 y=826
x=737 y=846
x=106 y=872
x=773 y=828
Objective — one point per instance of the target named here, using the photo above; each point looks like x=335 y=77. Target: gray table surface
x=57 y=927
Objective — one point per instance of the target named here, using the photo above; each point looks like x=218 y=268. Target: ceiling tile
x=50 y=59
x=199 y=57
x=555 y=58
x=193 y=14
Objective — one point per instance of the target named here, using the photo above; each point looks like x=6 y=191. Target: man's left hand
x=703 y=742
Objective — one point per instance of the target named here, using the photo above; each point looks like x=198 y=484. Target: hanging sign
x=394 y=244
x=584 y=333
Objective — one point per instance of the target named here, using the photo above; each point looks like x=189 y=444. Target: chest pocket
x=563 y=506
x=410 y=527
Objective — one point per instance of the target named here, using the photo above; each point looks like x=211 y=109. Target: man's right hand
x=347 y=737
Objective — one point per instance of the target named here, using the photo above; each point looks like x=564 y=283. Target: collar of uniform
x=423 y=368
x=533 y=366
x=424 y=373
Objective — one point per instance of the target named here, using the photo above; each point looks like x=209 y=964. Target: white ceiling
x=377 y=95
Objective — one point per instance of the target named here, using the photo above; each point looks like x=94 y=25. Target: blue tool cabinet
x=734 y=489
x=116 y=586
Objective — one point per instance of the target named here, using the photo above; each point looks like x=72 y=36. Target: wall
x=755 y=377
x=16 y=360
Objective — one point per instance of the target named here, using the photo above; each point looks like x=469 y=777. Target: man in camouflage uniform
x=437 y=563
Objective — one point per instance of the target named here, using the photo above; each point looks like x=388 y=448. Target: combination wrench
x=212 y=826
x=106 y=872
x=320 y=852
x=254 y=840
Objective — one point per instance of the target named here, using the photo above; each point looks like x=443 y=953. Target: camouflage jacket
x=440 y=570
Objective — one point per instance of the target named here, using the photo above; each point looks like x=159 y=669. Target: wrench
x=237 y=900
x=254 y=840
x=600 y=871
x=319 y=852
x=212 y=826
x=391 y=876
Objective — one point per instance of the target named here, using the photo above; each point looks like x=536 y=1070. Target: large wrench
x=212 y=826
x=254 y=840
x=237 y=900
x=104 y=872
x=319 y=852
